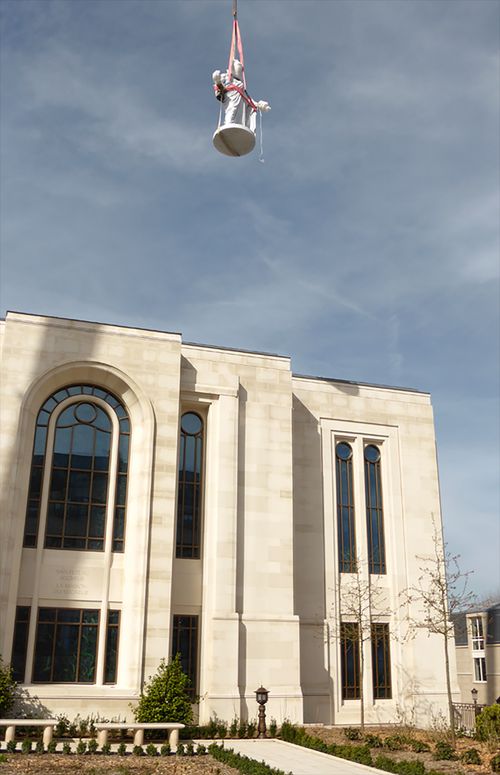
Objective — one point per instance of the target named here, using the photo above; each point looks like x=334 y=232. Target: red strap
x=249 y=101
x=236 y=44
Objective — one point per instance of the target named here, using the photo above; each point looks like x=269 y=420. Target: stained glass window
x=112 y=637
x=190 y=486
x=80 y=476
x=349 y=660
x=66 y=645
x=20 y=643
x=381 y=662
x=185 y=643
x=345 y=508
x=374 y=510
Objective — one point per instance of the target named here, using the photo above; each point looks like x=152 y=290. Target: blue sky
x=367 y=244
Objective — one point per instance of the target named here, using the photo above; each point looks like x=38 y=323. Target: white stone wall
x=266 y=588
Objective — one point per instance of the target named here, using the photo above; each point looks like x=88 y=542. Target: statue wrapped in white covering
x=235 y=134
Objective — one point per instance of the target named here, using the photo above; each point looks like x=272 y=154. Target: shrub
x=222 y=729
x=39 y=747
x=351 y=733
x=122 y=749
x=137 y=750
x=151 y=749
x=81 y=748
x=165 y=750
x=233 y=729
x=394 y=743
x=189 y=749
x=400 y=767
x=201 y=750
x=165 y=696
x=180 y=750
x=11 y=746
x=251 y=729
x=488 y=724
x=212 y=727
x=93 y=746
x=7 y=689
x=471 y=756
x=66 y=749
x=373 y=741
x=26 y=746
x=242 y=763
x=62 y=726
x=444 y=750
x=495 y=763
x=3 y=758
x=106 y=749
x=419 y=746
x=242 y=729
x=273 y=727
x=52 y=746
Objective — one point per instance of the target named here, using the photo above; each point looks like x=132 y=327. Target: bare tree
x=440 y=591
x=361 y=600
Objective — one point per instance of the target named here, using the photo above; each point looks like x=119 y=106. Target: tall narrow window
x=345 y=508
x=381 y=662
x=190 y=486
x=81 y=477
x=477 y=633
x=66 y=645
x=374 y=510
x=479 y=669
x=20 y=643
x=349 y=657
x=185 y=643
x=112 y=636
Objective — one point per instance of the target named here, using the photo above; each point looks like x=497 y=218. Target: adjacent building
x=161 y=496
x=477 y=641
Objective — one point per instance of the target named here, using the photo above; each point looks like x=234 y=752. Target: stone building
x=162 y=496
x=477 y=642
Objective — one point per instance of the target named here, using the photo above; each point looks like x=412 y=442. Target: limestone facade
x=266 y=592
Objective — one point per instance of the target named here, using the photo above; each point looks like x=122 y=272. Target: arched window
x=190 y=486
x=374 y=510
x=345 y=508
x=74 y=435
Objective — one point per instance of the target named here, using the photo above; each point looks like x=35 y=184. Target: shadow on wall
x=309 y=564
x=28 y=706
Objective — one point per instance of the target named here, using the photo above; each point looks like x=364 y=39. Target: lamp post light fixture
x=261 y=696
x=474 y=698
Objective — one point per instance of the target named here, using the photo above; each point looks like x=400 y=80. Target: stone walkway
x=295 y=759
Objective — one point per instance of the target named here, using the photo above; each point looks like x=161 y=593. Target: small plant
x=39 y=747
x=444 y=751
x=122 y=749
x=11 y=746
x=93 y=745
x=3 y=758
x=419 y=746
x=81 y=748
x=394 y=743
x=471 y=756
x=181 y=750
x=251 y=729
x=7 y=689
x=165 y=750
x=189 y=749
x=373 y=741
x=26 y=746
x=106 y=749
x=66 y=749
x=402 y=767
x=233 y=729
x=212 y=727
x=242 y=729
x=351 y=733
x=52 y=746
x=201 y=750
x=495 y=763
x=222 y=729
x=62 y=726
x=166 y=695
x=151 y=749
x=137 y=750
x=273 y=727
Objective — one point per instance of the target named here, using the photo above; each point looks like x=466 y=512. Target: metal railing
x=464 y=715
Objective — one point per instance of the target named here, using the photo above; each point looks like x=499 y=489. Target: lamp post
x=261 y=696
x=474 y=699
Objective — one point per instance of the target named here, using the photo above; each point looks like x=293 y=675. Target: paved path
x=295 y=759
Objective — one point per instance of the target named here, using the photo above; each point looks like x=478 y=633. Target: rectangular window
x=20 y=642
x=381 y=662
x=349 y=657
x=112 y=638
x=374 y=510
x=480 y=669
x=66 y=645
x=477 y=634
x=185 y=643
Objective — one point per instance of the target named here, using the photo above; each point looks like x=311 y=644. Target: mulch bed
x=58 y=764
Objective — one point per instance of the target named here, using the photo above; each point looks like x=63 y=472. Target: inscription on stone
x=70 y=581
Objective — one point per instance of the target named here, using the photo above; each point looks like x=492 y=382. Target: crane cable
x=236 y=45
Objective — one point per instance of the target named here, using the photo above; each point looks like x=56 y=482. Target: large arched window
x=345 y=508
x=87 y=483
x=374 y=510
x=190 y=486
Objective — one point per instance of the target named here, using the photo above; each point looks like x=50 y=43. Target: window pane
x=185 y=643
x=20 y=642
x=79 y=487
x=97 y=519
x=99 y=488
x=88 y=648
x=123 y=453
x=42 y=667
x=58 y=484
x=55 y=519
x=66 y=653
x=189 y=492
x=374 y=510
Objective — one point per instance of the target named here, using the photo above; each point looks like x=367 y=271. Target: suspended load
x=237 y=126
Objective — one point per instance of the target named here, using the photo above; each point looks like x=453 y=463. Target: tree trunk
x=361 y=687
x=448 y=689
